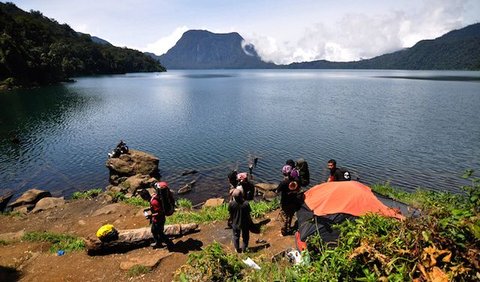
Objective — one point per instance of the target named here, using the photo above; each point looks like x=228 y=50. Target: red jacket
x=156 y=208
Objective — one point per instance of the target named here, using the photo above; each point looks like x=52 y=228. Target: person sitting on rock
x=121 y=148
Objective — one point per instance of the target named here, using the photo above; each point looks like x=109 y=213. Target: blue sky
x=283 y=31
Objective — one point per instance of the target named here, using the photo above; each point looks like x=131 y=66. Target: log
x=129 y=239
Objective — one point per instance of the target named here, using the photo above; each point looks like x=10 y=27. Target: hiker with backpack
x=288 y=190
x=337 y=174
x=246 y=186
x=162 y=204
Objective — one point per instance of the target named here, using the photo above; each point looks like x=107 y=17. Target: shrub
x=211 y=264
x=89 y=194
x=64 y=242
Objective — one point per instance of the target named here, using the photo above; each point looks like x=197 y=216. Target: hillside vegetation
x=36 y=50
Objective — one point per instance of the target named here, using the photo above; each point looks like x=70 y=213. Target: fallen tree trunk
x=129 y=239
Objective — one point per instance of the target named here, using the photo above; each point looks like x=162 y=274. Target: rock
x=29 y=198
x=115 y=189
x=4 y=199
x=82 y=222
x=113 y=208
x=214 y=202
x=132 y=163
x=105 y=198
x=138 y=181
x=269 y=196
x=48 y=203
x=150 y=261
x=264 y=187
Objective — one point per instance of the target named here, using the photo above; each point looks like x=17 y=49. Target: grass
x=138 y=270
x=209 y=214
x=3 y=243
x=441 y=244
x=63 y=242
x=89 y=194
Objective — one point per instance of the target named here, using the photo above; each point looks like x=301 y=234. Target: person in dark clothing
x=337 y=174
x=158 y=219
x=288 y=190
x=239 y=211
x=232 y=179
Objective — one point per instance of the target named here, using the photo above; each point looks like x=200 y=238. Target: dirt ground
x=27 y=261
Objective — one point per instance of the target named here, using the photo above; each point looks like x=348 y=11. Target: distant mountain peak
x=202 y=49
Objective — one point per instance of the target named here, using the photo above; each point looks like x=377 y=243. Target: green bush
x=211 y=264
x=59 y=241
x=138 y=270
x=89 y=194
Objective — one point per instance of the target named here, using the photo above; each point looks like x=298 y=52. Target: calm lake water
x=410 y=132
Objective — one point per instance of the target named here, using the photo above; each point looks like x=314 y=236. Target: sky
x=282 y=31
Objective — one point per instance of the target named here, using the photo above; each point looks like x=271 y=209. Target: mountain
x=36 y=50
x=455 y=50
x=201 y=49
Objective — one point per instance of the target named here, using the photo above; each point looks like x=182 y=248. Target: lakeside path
x=33 y=261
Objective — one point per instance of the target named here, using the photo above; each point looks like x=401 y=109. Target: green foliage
x=37 y=50
x=136 y=201
x=64 y=242
x=259 y=209
x=209 y=214
x=206 y=214
x=211 y=264
x=138 y=270
x=89 y=194
x=3 y=243
x=473 y=190
x=184 y=204
x=441 y=243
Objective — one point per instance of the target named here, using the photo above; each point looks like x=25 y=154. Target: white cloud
x=162 y=45
x=358 y=36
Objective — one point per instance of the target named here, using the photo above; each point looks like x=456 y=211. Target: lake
x=384 y=126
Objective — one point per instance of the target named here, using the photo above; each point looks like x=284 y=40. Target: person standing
x=288 y=190
x=158 y=209
x=239 y=211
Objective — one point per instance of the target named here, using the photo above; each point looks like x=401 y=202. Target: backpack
x=168 y=202
x=302 y=167
x=344 y=174
x=232 y=178
x=107 y=233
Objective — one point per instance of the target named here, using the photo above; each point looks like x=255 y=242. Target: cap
x=161 y=185
x=286 y=169
x=242 y=176
x=294 y=173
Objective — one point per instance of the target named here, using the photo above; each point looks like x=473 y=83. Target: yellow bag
x=106 y=231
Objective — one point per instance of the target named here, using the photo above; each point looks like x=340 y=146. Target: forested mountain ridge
x=455 y=50
x=36 y=50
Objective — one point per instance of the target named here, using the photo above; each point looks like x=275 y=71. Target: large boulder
x=29 y=199
x=133 y=163
x=136 y=182
x=48 y=203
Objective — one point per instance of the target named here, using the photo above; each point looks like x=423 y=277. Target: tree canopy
x=36 y=50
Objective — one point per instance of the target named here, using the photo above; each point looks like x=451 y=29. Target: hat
x=293 y=185
x=286 y=169
x=161 y=185
x=294 y=173
x=242 y=176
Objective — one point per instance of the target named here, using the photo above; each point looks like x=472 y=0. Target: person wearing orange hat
x=158 y=208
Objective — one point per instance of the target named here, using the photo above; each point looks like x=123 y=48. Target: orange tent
x=349 y=197
x=331 y=203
